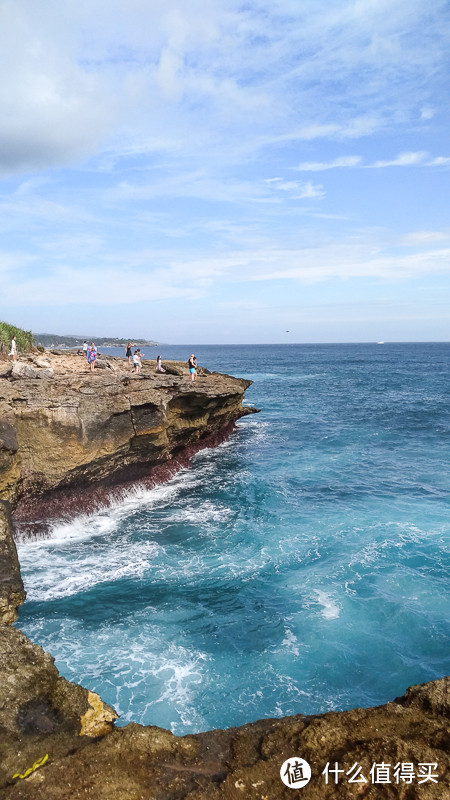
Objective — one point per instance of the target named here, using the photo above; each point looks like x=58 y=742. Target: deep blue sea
x=300 y=567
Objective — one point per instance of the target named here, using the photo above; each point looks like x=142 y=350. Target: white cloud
x=403 y=160
x=318 y=166
x=440 y=161
x=206 y=78
x=413 y=159
x=154 y=275
x=297 y=190
x=421 y=238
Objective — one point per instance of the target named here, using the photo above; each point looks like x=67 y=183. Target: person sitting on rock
x=159 y=366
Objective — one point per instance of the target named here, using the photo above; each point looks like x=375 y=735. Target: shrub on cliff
x=24 y=339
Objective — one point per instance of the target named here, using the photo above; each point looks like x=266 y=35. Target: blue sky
x=223 y=172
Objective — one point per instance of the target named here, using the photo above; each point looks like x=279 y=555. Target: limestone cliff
x=68 y=439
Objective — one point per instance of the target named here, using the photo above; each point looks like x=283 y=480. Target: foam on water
x=285 y=569
x=330 y=609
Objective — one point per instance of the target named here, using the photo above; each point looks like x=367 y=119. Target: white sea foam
x=170 y=677
x=106 y=519
x=55 y=575
x=291 y=643
x=330 y=609
x=203 y=513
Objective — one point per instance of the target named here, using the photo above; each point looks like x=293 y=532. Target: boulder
x=5 y=370
x=21 y=370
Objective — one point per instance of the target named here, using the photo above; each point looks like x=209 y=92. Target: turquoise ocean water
x=302 y=566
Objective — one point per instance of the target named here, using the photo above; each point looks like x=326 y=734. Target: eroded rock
x=80 y=435
x=136 y=762
x=12 y=593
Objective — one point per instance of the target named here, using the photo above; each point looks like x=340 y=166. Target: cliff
x=68 y=437
x=68 y=441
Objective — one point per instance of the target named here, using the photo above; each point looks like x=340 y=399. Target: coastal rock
x=82 y=435
x=12 y=593
x=138 y=763
x=20 y=370
x=5 y=370
x=40 y=712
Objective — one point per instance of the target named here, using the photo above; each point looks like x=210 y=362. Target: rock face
x=140 y=763
x=12 y=593
x=68 y=439
x=39 y=710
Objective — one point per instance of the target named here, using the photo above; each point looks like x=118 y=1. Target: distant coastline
x=49 y=340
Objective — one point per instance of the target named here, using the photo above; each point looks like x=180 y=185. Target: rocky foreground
x=68 y=442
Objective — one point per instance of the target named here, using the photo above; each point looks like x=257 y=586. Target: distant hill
x=52 y=340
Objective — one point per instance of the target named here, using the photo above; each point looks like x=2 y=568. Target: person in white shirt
x=137 y=360
x=13 y=351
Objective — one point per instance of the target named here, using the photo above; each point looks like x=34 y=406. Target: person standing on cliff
x=128 y=352
x=91 y=356
x=13 y=351
x=192 y=364
x=137 y=360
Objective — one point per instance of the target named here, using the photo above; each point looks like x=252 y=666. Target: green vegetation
x=52 y=340
x=24 y=339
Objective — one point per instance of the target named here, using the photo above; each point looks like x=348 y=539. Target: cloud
x=318 y=166
x=53 y=111
x=403 y=160
x=203 y=79
x=440 y=161
x=297 y=190
x=95 y=277
x=421 y=238
x=413 y=159
x=345 y=261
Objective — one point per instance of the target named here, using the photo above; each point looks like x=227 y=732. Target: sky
x=226 y=172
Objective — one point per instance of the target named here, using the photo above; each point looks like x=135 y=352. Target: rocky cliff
x=68 y=437
x=68 y=441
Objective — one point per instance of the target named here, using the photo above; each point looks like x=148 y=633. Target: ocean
x=300 y=567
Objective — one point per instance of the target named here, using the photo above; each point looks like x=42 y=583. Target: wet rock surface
x=66 y=433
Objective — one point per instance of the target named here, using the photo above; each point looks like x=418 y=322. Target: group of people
x=136 y=360
x=91 y=354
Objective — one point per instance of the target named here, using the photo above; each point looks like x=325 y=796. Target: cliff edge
x=69 y=441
